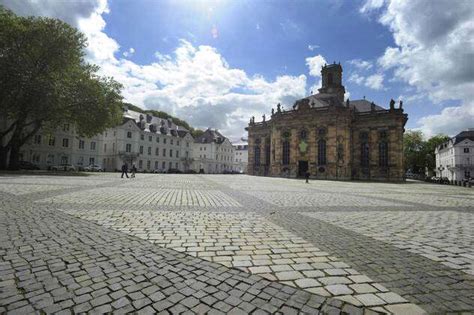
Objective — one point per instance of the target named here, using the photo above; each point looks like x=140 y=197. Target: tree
x=430 y=148
x=413 y=150
x=45 y=82
x=420 y=154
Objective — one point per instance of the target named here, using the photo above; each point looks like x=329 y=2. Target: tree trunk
x=14 y=158
x=3 y=157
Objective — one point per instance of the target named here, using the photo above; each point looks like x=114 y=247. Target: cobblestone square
x=233 y=244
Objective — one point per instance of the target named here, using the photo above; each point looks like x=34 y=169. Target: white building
x=241 y=156
x=213 y=153
x=455 y=158
x=149 y=142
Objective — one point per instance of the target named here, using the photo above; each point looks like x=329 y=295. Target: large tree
x=45 y=82
x=419 y=153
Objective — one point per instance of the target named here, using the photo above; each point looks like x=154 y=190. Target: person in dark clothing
x=306 y=175
x=124 y=169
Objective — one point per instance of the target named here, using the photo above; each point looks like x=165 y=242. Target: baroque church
x=330 y=138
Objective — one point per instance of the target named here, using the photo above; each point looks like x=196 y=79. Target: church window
x=364 y=154
x=383 y=154
x=322 y=132
x=330 y=79
x=286 y=152
x=322 y=152
x=340 y=152
x=267 y=154
x=257 y=155
x=303 y=134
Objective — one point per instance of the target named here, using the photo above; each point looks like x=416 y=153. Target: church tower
x=332 y=81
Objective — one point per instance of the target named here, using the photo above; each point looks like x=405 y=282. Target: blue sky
x=216 y=63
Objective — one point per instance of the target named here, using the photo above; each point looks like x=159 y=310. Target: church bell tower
x=332 y=81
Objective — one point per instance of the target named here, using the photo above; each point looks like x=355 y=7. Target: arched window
x=257 y=155
x=364 y=154
x=383 y=154
x=330 y=79
x=267 y=154
x=340 y=152
x=303 y=134
x=322 y=152
x=286 y=152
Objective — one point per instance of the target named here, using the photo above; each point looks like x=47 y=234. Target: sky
x=217 y=63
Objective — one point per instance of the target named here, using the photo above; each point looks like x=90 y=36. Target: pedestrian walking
x=124 y=169
x=306 y=175
x=134 y=170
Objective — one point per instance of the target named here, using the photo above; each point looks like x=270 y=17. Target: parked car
x=64 y=167
x=444 y=180
x=93 y=168
x=158 y=171
x=24 y=165
x=174 y=171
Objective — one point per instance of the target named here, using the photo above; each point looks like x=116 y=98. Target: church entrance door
x=302 y=168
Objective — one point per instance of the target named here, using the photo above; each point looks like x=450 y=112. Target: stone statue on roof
x=401 y=104
x=392 y=104
x=273 y=111
x=278 y=108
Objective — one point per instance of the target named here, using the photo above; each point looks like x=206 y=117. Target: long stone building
x=329 y=137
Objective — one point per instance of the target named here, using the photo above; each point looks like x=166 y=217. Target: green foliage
x=419 y=153
x=45 y=82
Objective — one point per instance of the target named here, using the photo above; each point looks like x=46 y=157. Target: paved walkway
x=233 y=244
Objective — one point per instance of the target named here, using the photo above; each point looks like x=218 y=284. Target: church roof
x=325 y=100
x=364 y=106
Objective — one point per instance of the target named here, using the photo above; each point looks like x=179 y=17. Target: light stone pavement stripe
x=252 y=244
x=148 y=196
x=30 y=188
x=51 y=262
x=443 y=236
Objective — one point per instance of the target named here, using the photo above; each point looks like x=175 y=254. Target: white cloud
x=450 y=121
x=356 y=78
x=313 y=47
x=371 y=5
x=361 y=64
x=129 y=53
x=315 y=64
x=195 y=83
x=374 y=81
x=434 y=53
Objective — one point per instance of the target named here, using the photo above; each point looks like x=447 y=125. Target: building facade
x=455 y=158
x=213 y=153
x=328 y=137
x=151 y=143
x=241 y=157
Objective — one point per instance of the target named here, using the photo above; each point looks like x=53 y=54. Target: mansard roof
x=210 y=136
x=150 y=123
x=463 y=135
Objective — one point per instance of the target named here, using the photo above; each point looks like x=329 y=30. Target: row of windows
x=322 y=159
x=65 y=142
x=128 y=149
x=157 y=139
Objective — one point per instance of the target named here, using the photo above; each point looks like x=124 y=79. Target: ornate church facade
x=329 y=138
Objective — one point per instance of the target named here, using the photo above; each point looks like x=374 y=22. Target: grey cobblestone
x=85 y=267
